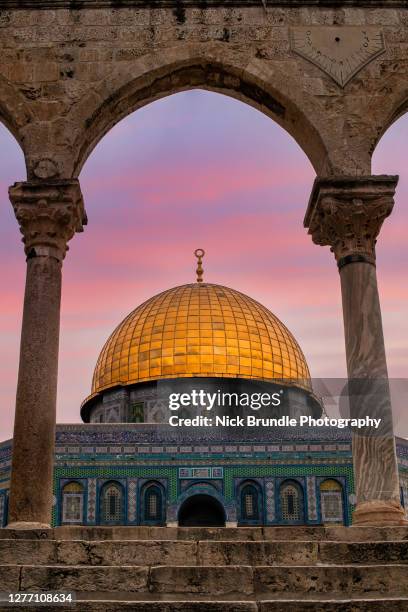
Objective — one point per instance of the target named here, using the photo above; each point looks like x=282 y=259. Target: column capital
x=346 y=213
x=48 y=213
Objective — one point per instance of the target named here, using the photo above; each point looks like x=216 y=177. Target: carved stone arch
x=395 y=108
x=169 y=71
x=15 y=115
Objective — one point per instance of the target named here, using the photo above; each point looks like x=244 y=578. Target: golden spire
x=199 y=253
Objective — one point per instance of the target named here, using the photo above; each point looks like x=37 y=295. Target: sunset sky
x=198 y=169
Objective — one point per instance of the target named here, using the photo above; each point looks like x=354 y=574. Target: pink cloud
x=166 y=181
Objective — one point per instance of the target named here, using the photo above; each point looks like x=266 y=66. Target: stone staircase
x=211 y=569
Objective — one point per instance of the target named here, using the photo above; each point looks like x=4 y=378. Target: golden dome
x=204 y=330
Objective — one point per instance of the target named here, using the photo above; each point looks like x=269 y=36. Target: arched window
x=291 y=502
x=111 y=504
x=152 y=499
x=250 y=502
x=72 y=502
x=331 y=501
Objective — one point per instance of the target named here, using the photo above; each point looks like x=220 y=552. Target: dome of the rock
x=200 y=330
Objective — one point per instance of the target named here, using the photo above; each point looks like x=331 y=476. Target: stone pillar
x=49 y=214
x=347 y=213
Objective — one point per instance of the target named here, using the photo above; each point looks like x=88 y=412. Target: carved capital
x=48 y=213
x=347 y=214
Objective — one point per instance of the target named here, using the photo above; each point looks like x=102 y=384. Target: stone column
x=347 y=213
x=49 y=214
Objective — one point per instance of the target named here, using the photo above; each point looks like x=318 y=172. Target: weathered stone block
x=20 y=552
x=334 y=605
x=80 y=578
x=374 y=579
x=73 y=553
x=143 y=553
x=257 y=553
x=9 y=578
x=202 y=580
x=363 y=552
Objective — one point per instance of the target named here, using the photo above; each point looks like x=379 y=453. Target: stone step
x=287 y=605
x=337 y=533
x=179 y=552
x=234 y=581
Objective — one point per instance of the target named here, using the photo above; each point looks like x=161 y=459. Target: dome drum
x=148 y=402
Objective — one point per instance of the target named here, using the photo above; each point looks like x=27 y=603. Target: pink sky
x=198 y=169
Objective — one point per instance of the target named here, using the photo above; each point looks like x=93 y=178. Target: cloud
x=197 y=170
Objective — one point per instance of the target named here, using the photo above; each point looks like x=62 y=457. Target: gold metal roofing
x=204 y=330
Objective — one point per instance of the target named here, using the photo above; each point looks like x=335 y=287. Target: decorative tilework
x=186 y=484
x=270 y=499
x=91 y=510
x=312 y=464
x=311 y=498
x=201 y=472
x=172 y=513
x=231 y=512
x=285 y=471
x=132 y=486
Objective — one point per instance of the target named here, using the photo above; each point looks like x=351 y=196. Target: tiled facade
x=130 y=458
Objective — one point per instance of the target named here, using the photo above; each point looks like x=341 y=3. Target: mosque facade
x=126 y=465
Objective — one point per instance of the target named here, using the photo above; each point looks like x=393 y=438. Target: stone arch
x=15 y=115
x=178 y=69
x=385 y=115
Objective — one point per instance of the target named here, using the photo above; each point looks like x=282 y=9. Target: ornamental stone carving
x=49 y=214
x=46 y=169
x=347 y=213
x=340 y=51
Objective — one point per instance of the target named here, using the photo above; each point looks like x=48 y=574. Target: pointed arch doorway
x=201 y=510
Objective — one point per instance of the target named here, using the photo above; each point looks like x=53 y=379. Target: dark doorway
x=201 y=511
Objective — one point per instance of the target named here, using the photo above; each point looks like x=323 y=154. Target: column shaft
x=347 y=213
x=34 y=426
x=374 y=454
x=49 y=214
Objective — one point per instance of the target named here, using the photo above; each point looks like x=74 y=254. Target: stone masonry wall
x=67 y=75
